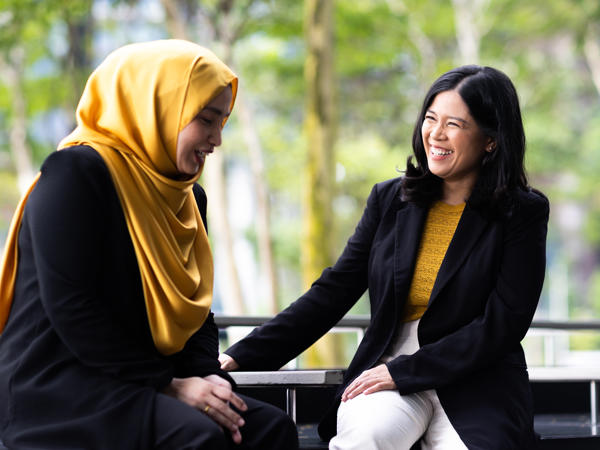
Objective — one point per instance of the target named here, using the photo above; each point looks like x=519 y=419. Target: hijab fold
x=132 y=109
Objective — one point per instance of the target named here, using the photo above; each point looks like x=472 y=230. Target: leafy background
x=385 y=55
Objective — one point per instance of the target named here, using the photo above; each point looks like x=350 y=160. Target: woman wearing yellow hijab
x=107 y=338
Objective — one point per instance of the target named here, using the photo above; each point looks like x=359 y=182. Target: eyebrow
x=450 y=117
x=216 y=111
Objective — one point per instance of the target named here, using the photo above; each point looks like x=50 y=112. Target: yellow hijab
x=132 y=109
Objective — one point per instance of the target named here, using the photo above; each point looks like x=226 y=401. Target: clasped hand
x=213 y=396
x=376 y=379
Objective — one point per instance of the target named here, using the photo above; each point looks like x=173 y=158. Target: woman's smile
x=439 y=152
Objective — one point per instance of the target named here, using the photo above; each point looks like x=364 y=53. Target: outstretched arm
x=330 y=297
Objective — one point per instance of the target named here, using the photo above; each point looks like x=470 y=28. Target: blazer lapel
x=409 y=226
x=469 y=228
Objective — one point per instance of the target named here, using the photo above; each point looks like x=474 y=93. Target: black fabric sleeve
x=200 y=355
x=505 y=320
x=67 y=213
x=330 y=297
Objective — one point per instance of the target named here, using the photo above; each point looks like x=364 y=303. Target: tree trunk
x=419 y=39
x=591 y=50
x=320 y=136
x=216 y=190
x=263 y=222
x=78 y=58
x=227 y=31
x=176 y=24
x=13 y=73
x=317 y=240
x=468 y=16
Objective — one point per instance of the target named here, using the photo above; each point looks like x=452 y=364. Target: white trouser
x=387 y=420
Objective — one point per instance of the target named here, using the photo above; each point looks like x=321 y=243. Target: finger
x=223 y=399
x=222 y=414
x=227 y=395
x=364 y=381
x=227 y=417
x=216 y=379
x=357 y=390
x=376 y=388
x=238 y=402
x=353 y=390
x=236 y=436
x=352 y=386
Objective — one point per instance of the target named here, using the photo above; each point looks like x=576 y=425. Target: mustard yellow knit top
x=440 y=226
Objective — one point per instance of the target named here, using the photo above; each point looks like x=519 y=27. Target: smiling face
x=454 y=143
x=199 y=137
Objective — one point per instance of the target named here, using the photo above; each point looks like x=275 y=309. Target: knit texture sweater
x=440 y=226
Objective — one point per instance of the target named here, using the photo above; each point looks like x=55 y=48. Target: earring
x=490 y=148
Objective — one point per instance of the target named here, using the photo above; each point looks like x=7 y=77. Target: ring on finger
x=206 y=408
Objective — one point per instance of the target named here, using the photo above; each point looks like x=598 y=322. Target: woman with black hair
x=453 y=256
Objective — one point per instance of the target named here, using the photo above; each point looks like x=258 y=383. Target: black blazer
x=77 y=357
x=481 y=306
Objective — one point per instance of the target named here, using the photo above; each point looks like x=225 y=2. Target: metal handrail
x=363 y=321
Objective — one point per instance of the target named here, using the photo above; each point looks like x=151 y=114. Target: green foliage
x=584 y=341
x=387 y=52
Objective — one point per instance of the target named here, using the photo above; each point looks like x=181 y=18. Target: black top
x=78 y=366
x=480 y=308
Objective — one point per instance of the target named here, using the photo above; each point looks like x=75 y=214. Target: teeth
x=439 y=152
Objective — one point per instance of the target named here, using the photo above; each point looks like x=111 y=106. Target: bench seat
x=314 y=388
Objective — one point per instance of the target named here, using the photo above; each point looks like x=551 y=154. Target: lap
x=388 y=420
x=267 y=427
x=178 y=425
x=382 y=420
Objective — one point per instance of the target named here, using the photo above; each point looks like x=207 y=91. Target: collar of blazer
x=410 y=220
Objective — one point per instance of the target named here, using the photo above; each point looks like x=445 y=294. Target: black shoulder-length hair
x=493 y=103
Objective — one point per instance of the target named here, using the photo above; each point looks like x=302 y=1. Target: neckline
x=440 y=205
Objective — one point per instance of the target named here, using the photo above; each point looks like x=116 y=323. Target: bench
x=566 y=406
x=290 y=380
x=571 y=430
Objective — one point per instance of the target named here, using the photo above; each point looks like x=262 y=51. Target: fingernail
x=241 y=422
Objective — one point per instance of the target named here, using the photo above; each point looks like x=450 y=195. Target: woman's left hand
x=376 y=379
x=213 y=396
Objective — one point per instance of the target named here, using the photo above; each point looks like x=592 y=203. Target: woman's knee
x=196 y=435
x=285 y=425
x=191 y=435
x=177 y=425
x=384 y=421
x=268 y=427
x=373 y=434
